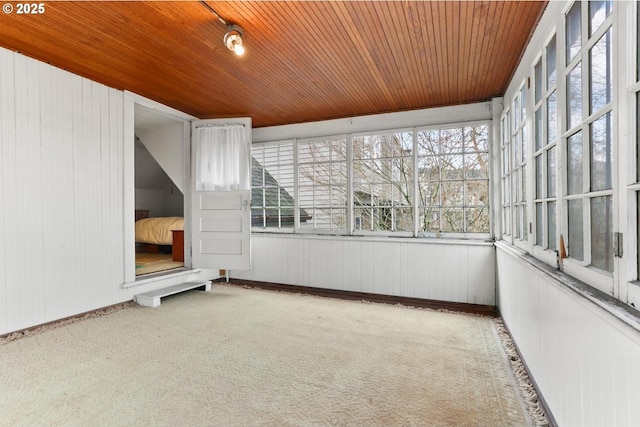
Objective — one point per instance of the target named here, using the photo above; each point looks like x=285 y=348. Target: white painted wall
x=63 y=180
x=165 y=202
x=586 y=360
x=164 y=143
x=456 y=271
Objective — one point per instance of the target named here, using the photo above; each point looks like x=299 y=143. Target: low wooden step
x=152 y=298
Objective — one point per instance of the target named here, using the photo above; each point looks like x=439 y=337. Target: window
x=588 y=133
x=453 y=185
x=383 y=182
x=322 y=184
x=415 y=182
x=544 y=151
x=635 y=187
x=519 y=171
x=505 y=138
x=272 y=203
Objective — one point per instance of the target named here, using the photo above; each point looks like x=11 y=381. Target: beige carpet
x=247 y=357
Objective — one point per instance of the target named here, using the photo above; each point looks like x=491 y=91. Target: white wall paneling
x=61 y=192
x=456 y=271
x=62 y=195
x=585 y=359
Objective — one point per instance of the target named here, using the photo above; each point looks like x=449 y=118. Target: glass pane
x=476 y=165
x=506 y=190
x=551 y=172
x=523 y=104
x=507 y=159
x=601 y=153
x=452 y=167
x=638 y=137
x=524 y=183
x=429 y=193
x=452 y=193
x=574 y=31
x=539 y=225
x=574 y=164
x=257 y=217
x=524 y=145
x=428 y=168
x=537 y=130
x=477 y=220
x=601 y=233
x=551 y=229
x=598 y=12
x=539 y=172
x=451 y=140
x=575 y=238
x=430 y=219
x=257 y=197
x=551 y=63
x=452 y=220
x=517 y=185
x=525 y=223
x=516 y=150
x=506 y=220
x=574 y=96
x=552 y=118
x=428 y=142
x=287 y=216
x=638 y=228
x=476 y=138
x=601 y=85
x=537 y=73
x=477 y=193
x=402 y=219
x=503 y=132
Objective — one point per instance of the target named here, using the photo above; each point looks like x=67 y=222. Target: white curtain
x=222 y=158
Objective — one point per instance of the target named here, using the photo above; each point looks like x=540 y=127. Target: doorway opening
x=159 y=198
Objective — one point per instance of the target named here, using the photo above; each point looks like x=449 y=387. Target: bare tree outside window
x=453 y=184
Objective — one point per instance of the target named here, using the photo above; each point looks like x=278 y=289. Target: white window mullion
x=296 y=181
x=416 y=196
x=350 y=197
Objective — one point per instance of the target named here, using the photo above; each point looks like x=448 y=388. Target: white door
x=221 y=193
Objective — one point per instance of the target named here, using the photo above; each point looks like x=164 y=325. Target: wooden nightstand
x=178 y=245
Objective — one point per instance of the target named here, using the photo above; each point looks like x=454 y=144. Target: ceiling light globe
x=238 y=49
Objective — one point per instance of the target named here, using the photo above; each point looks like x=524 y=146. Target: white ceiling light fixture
x=233 y=40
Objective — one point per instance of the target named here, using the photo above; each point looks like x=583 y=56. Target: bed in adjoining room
x=159 y=243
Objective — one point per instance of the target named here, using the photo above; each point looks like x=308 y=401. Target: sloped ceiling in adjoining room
x=305 y=60
x=148 y=173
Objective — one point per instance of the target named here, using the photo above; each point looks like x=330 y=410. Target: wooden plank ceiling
x=305 y=60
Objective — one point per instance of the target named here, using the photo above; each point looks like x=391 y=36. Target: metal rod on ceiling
x=212 y=10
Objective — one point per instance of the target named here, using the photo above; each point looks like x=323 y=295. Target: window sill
x=607 y=303
x=371 y=238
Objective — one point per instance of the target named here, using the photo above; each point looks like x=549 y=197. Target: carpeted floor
x=249 y=357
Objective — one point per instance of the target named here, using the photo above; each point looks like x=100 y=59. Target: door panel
x=221 y=219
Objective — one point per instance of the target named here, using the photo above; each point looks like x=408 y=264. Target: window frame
x=544 y=249
x=278 y=229
x=583 y=269
x=415 y=207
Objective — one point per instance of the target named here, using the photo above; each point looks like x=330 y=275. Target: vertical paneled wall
x=585 y=361
x=61 y=186
x=455 y=271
